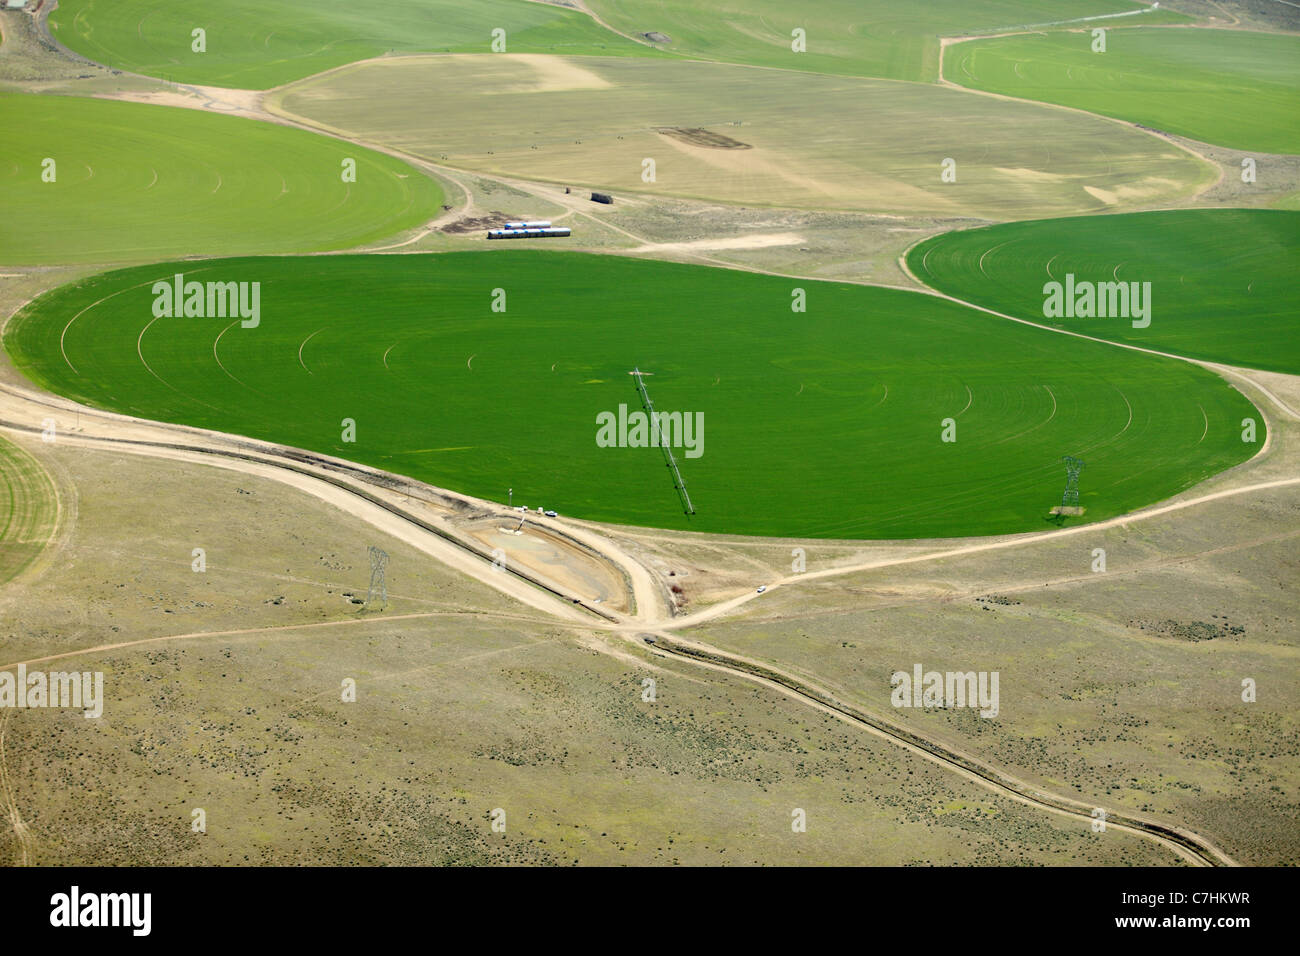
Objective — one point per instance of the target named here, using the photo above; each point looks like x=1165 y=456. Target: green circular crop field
x=1233 y=88
x=250 y=44
x=90 y=180
x=1222 y=280
x=823 y=423
x=29 y=509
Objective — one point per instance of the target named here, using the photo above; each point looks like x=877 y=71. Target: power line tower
x=678 y=481
x=378 y=567
x=1070 y=497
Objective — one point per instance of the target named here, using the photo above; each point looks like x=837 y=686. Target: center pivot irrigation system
x=678 y=481
x=1070 y=497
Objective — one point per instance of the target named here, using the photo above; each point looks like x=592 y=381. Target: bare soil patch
x=702 y=137
x=753 y=241
x=492 y=220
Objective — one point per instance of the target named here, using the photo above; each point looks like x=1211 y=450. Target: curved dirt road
x=1187 y=845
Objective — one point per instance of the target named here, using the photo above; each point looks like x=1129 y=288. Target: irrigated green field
x=29 y=508
x=135 y=182
x=822 y=423
x=1222 y=281
x=1231 y=88
x=252 y=45
x=260 y=45
x=882 y=38
x=787 y=139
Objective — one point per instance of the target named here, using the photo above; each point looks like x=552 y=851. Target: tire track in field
x=139 y=350
x=63 y=336
x=9 y=800
x=269 y=629
x=304 y=345
x=1186 y=844
x=1034 y=428
x=220 y=364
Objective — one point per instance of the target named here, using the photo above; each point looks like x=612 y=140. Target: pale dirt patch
x=1105 y=195
x=553 y=74
x=508 y=73
x=249 y=100
x=1030 y=175
x=215 y=98
x=750 y=164
x=1146 y=188
x=1135 y=192
x=757 y=241
x=153 y=97
x=551 y=558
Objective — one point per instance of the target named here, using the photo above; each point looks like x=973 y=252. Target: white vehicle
x=551 y=514
x=762 y=588
x=522 y=508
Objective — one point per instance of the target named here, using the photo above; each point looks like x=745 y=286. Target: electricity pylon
x=378 y=567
